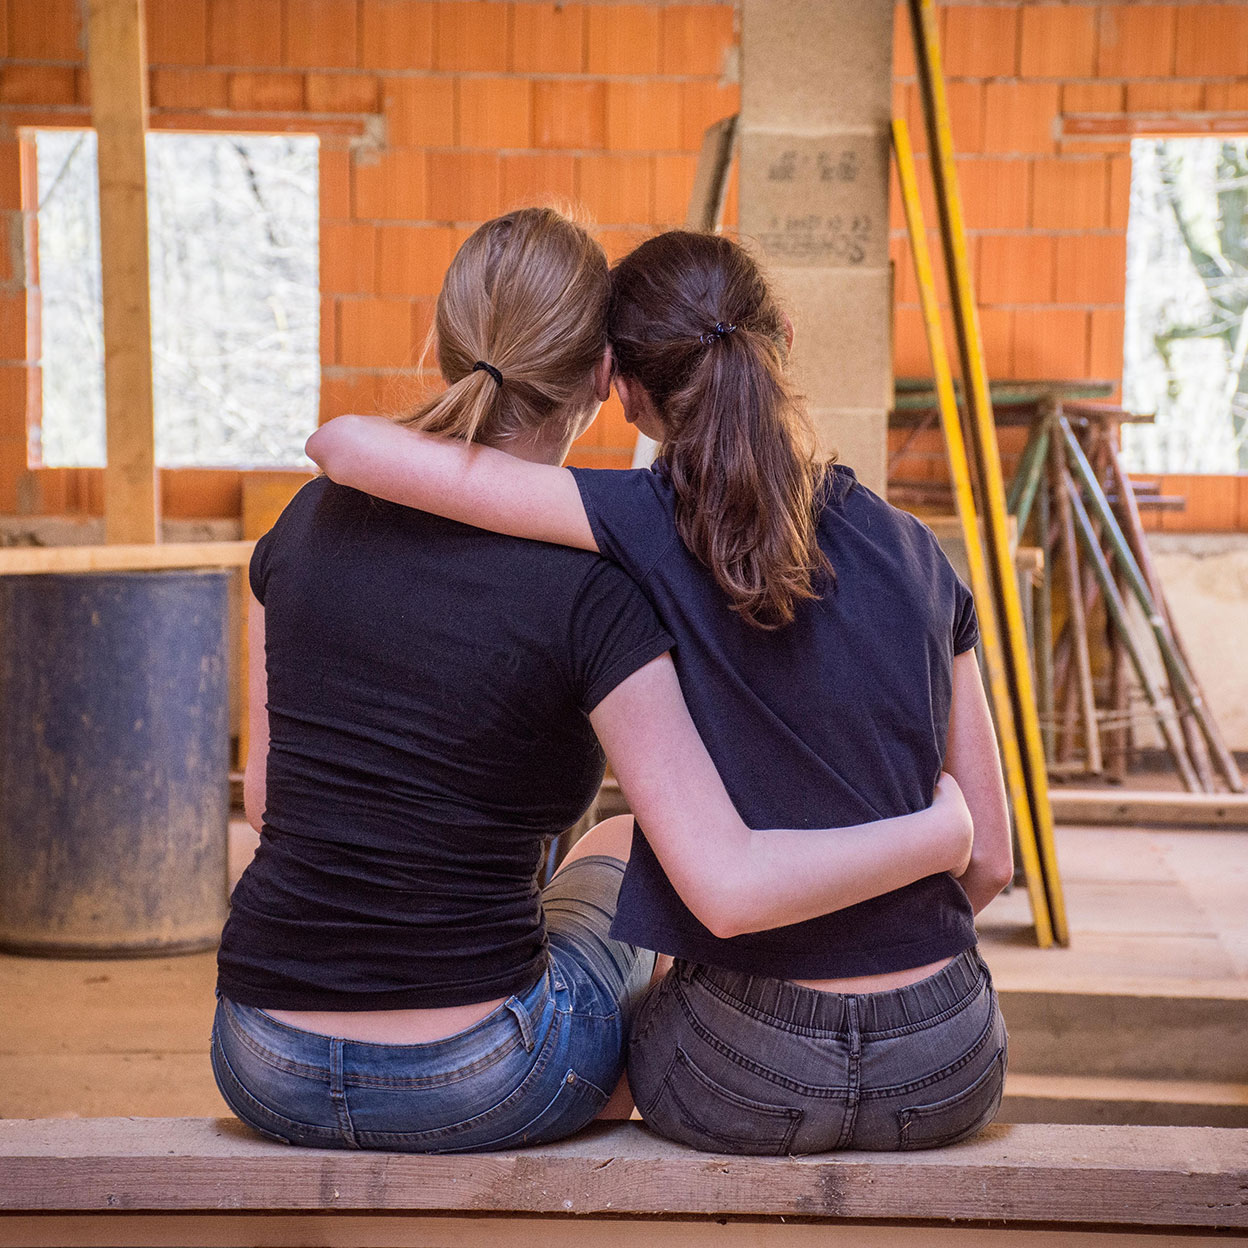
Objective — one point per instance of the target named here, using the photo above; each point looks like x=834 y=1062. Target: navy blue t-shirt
x=837 y=719
x=429 y=687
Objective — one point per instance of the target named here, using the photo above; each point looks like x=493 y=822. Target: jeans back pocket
x=955 y=1117
x=693 y=1108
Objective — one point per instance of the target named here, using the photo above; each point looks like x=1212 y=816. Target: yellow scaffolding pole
x=981 y=586
x=983 y=439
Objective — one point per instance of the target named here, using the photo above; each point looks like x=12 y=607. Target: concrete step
x=1123 y=1102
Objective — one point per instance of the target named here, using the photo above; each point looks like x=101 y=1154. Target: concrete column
x=816 y=102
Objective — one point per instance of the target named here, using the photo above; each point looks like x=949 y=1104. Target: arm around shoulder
x=464 y=481
x=735 y=879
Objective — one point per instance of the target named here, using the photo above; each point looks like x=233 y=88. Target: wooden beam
x=117 y=61
x=1072 y=1176
x=1138 y=807
x=1101 y=126
x=31 y=560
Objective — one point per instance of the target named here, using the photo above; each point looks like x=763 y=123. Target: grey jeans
x=734 y=1063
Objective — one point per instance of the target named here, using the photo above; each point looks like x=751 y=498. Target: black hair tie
x=722 y=330
x=482 y=367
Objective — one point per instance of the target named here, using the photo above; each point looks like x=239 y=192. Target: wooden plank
x=710 y=183
x=1141 y=807
x=234 y=1230
x=1069 y=1175
x=265 y=496
x=117 y=61
x=1157 y=1102
x=31 y=560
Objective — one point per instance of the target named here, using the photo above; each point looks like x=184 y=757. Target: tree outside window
x=1186 y=349
x=233 y=243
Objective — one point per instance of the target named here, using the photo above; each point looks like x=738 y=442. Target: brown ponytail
x=691 y=320
x=524 y=301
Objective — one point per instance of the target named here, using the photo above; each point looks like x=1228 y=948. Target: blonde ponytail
x=519 y=327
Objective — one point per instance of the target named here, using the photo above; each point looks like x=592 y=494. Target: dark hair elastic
x=722 y=330
x=482 y=367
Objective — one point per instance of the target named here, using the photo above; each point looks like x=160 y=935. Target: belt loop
x=338 y=1091
x=516 y=1006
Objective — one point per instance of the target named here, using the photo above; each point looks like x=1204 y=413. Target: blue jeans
x=735 y=1063
x=537 y=1068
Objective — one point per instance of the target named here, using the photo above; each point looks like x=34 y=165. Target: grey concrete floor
x=1154 y=911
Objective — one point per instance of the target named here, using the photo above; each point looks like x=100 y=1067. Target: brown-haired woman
x=424 y=700
x=825 y=649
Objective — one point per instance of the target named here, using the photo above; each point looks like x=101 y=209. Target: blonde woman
x=425 y=698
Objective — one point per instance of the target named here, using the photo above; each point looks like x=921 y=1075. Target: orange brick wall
x=435 y=114
x=432 y=116
x=1046 y=210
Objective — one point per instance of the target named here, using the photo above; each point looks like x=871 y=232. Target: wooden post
x=117 y=61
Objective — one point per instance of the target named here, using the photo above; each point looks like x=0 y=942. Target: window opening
x=233 y=224
x=1186 y=347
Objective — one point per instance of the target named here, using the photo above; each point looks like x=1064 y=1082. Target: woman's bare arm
x=971 y=758
x=254 y=775
x=474 y=484
x=736 y=880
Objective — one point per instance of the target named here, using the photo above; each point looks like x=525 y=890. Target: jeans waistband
x=314 y=1049
x=810 y=1009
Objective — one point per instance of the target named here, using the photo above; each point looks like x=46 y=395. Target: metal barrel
x=114 y=766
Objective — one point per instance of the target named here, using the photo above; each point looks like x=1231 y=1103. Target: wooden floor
x=1159 y=913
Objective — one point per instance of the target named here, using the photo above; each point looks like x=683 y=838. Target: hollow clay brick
x=391 y=186
x=464 y=186
x=495 y=112
x=695 y=38
x=419 y=112
x=177 y=32
x=622 y=39
x=537 y=178
x=548 y=39
x=617 y=190
x=1058 y=41
x=471 y=35
x=245 y=33
x=412 y=259
x=569 y=114
x=342 y=93
x=396 y=34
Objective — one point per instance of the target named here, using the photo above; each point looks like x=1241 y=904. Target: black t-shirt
x=428 y=688
x=839 y=718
